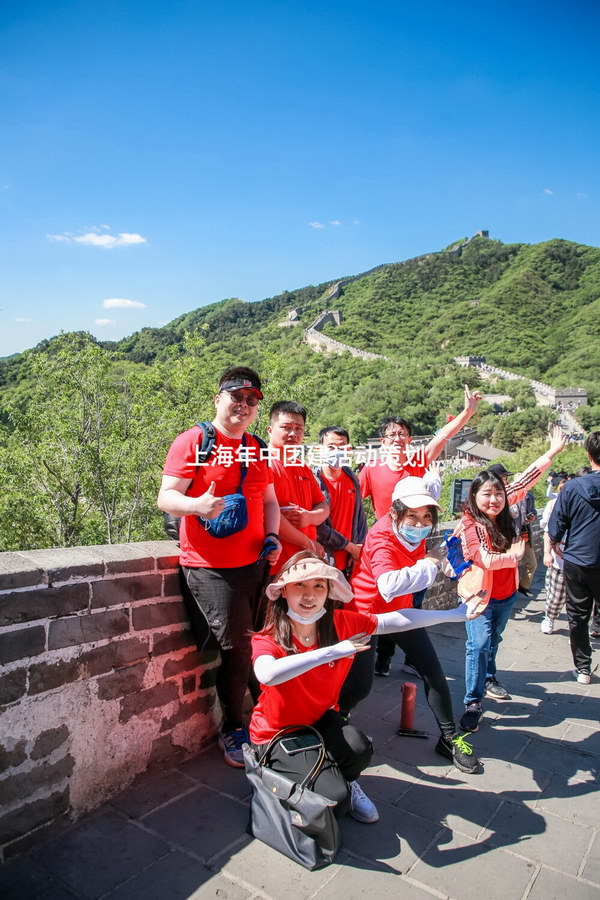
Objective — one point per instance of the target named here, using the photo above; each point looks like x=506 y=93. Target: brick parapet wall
x=100 y=678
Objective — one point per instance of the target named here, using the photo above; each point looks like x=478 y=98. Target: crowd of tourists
x=307 y=604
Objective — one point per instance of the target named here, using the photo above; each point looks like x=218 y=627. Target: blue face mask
x=414 y=534
x=335 y=458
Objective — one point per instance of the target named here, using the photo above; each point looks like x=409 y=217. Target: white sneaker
x=547 y=625
x=361 y=808
x=582 y=677
x=410 y=669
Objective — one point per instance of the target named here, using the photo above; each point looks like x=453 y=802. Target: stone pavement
x=527 y=827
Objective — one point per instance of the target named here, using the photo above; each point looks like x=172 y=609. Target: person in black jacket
x=576 y=519
x=343 y=532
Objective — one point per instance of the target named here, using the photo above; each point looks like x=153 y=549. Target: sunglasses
x=249 y=399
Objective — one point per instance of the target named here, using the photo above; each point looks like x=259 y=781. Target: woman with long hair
x=302 y=657
x=490 y=542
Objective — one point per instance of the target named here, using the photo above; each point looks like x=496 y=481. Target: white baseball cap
x=414 y=492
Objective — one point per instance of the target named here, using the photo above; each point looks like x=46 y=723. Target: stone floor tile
x=151 y=790
x=469 y=870
x=581 y=737
x=387 y=781
x=536 y=725
x=210 y=768
x=23 y=880
x=99 y=854
x=396 y=840
x=357 y=879
x=491 y=741
x=203 y=822
x=560 y=759
x=512 y=780
x=575 y=801
x=178 y=877
x=461 y=806
x=416 y=752
x=552 y=885
x=591 y=869
x=272 y=873
x=543 y=838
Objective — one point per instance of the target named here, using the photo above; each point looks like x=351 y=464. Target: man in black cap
x=523 y=513
x=225 y=574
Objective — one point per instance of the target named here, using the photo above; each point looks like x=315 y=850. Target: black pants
x=583 y=592
x=225 y=608
x=349 y=752
x=416 y=644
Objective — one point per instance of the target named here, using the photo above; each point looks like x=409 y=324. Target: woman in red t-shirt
x=393 y=565
x=302 y=657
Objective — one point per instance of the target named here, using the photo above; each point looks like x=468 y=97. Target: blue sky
x=155 y=157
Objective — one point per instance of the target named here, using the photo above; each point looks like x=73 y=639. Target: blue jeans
x=484 y=635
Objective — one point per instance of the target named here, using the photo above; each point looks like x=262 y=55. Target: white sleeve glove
x=409 y=580
x=271 y=671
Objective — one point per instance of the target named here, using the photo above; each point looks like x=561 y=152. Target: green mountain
x=534 y=309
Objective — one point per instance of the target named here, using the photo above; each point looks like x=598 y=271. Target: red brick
x=157 y=615
x=172 y=641
x=43 y=603
x=197 y=707
x=121 y=591
x=22 y=643
x=87 y=628
x=122 y=682
x=160 y=695
x=185 y=664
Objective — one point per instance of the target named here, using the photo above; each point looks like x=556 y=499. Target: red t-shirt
x=378 y=481
x=382 y=552
x=304 y=699
x=197 y=548
x=503 y=583
x=342 y=495
x=295 y=484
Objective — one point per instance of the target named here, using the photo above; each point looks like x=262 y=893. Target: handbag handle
x=314 y=772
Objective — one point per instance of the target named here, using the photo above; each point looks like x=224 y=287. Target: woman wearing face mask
x=301 y=658
x=394 y=564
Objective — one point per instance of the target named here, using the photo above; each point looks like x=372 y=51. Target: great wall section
x=564 y=400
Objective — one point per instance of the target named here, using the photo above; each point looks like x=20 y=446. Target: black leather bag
x=291 y=817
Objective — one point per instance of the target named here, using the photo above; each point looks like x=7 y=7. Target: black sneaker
x=382 y=667
x=493 y=688
x=471 y=717
x=459 y=751
x=525 y=591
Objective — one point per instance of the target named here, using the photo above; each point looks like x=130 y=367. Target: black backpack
x=203 y=453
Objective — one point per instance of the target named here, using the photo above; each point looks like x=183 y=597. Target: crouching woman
x=301 y=659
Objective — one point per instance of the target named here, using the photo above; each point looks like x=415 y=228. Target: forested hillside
x=84 y=426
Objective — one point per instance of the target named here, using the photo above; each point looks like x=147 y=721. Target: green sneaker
x=459 y=751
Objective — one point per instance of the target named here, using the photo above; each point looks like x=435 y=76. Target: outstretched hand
x=360 y=641
x=472 y=399
x=557 y=440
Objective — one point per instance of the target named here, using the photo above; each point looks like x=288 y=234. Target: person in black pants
x=393 y=565
x=576 y=520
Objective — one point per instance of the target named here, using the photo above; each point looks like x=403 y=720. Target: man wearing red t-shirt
x=225 y=575
x=302 y=504
x=343 y=533
x=378 y=479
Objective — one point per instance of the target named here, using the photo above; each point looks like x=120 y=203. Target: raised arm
x=439 y=441
x=271 y=671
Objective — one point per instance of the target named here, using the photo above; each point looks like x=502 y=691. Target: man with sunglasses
x=225 y=575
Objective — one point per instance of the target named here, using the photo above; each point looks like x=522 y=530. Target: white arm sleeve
x=408 y=580
x=408 y=619
x=271 y=671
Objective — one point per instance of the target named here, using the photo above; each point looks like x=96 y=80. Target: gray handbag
x=291 y=817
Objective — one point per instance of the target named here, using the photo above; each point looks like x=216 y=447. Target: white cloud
x=108 y=241
x=335 y=222
x=94 y=238
x=104 y=322
x=122 y=303
x=548 y=191
x=316 y=225
x=356 y=221
x=22 y=319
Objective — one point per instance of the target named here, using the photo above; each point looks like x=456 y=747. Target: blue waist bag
x=234 y=515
